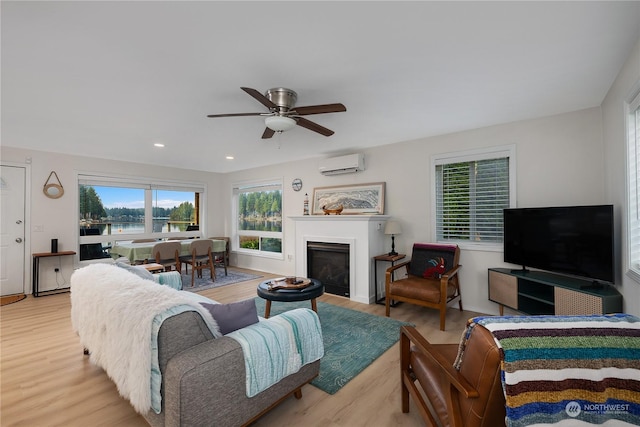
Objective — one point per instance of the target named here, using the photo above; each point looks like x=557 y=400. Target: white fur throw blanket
x=112 y=310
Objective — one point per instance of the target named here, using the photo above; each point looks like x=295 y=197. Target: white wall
x=559 y=162
x=57 y=217
x=614 y=135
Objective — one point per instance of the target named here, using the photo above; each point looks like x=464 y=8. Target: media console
x=539 y=292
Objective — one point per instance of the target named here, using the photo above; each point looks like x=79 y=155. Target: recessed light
x=157 y=144
x=229 y=157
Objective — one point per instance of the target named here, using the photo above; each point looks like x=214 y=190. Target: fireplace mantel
x=363 y=233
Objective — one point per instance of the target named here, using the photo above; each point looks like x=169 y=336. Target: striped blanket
x=568 y=370
x=279 y=346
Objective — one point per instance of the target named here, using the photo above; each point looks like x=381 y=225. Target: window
x=112 y=209
x=257 y=207
x=633 y=189
x=471 y=191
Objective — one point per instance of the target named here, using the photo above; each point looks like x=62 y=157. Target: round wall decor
x=296 y=184
x=53 y=190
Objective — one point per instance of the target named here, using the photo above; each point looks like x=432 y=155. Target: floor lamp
x=393 y=228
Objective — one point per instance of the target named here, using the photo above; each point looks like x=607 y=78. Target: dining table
x=139 y=252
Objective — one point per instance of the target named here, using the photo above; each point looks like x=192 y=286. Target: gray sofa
x=204 y=378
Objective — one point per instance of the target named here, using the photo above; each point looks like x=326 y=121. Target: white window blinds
x=470 y=197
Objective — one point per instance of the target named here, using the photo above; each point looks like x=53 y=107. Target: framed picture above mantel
x=358 y=199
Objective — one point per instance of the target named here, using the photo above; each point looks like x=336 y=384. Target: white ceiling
x=110 y=79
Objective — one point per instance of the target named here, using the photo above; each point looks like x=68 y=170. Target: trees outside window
x=257 y=208
x=111 y=209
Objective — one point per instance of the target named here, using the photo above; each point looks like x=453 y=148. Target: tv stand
x=540 y=292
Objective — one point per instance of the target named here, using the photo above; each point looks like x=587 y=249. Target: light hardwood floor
x=46 y=380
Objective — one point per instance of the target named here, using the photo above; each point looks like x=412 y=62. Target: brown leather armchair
x=470 y=396
x=431 y=280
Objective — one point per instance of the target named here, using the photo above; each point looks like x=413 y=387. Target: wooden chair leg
x=314 y=305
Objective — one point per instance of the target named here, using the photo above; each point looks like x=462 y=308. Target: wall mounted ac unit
x=344 y=164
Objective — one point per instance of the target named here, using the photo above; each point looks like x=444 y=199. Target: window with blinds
x=471 y=192
x=633 y=214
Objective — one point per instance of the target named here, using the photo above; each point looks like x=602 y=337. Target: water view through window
x=122 y=210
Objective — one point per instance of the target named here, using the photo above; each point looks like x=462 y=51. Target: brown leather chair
x=431 y=280
x=470 y=396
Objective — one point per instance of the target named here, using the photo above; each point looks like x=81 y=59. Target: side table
x=36 y=272
x=386 y=258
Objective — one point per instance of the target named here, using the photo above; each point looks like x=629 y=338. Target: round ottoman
x=311 y=292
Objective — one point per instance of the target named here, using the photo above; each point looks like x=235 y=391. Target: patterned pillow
x=435 y=268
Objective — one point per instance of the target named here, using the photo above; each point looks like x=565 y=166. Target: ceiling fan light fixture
x=279 y=123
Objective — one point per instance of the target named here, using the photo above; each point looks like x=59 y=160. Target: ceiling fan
x=283 y=114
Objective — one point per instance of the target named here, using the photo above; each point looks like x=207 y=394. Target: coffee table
x=311 y=292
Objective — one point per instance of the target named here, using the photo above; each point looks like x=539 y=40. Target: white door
x=12 y=211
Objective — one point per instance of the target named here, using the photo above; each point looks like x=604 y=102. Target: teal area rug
x=352 y=340
x=205 y=282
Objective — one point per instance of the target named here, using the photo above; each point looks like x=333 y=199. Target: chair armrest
x=397 y=266
x=453 y=376
x=449 y=274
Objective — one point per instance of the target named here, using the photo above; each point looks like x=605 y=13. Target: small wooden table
x=387 y=258
x=311 y=292
x=153 y=267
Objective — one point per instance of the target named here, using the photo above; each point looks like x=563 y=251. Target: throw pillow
x=138 y=271
x=435 y=268
x=233 y=316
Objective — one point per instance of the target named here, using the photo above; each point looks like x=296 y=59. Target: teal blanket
x=173 y=279
x=279 y=346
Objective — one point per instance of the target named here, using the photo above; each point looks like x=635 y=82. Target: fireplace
x=329 y=263
x=363 y=236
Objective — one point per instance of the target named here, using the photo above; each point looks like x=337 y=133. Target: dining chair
x=222 y=258
x=167 y=254
x=201 y=257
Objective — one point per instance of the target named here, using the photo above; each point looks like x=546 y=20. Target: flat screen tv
x=574 y=240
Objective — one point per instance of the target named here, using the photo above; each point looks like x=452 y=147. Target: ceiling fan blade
x=268 y=133
x=314 y=126
x=235 y=115
x=260 y=97
x=319 y=109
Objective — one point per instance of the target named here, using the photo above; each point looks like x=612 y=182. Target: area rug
x=205 y=282
x=352 y=340
x=10 y=299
